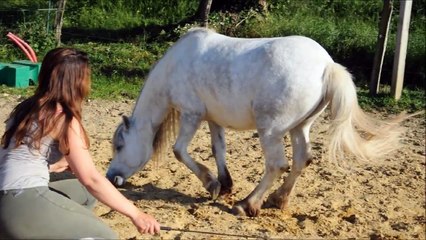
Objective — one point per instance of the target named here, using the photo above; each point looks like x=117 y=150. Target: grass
x=120 y=14
x=117 y=87
x=412 y=100
x=110 y=88
x=24 y=92
x=124 y=59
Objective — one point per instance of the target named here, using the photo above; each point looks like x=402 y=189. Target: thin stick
x=212 y=233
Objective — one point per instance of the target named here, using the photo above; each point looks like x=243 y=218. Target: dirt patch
x=383 y=200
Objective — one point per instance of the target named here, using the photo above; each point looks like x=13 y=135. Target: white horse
x=274 y=85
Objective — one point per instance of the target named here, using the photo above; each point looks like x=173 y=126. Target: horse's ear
x=126 y=122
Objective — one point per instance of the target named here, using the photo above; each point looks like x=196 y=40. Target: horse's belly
x=234 y=117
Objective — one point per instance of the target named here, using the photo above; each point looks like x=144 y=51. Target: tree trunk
x=381 y=46
x=203 y=12
x=59 y=20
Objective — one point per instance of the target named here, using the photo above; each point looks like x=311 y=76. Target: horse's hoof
x=238 y=210
x=283 y=204
x=277 y=201
x=214 y=189
x=225 y=191
x=244 y=209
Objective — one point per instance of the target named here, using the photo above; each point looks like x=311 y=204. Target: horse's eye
x=118 y=148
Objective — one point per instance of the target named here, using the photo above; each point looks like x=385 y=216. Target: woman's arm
x=82 y=165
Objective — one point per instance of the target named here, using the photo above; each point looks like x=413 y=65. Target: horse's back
x=202 y=42
x=227 y=61
x=232 y=78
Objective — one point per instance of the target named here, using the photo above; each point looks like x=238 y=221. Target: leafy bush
x=347 y=29
x=24 y=20
x=38 y=36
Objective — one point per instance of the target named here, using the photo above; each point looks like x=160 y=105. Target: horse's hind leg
x=219 y=150
x=189 y=124
x=275 y=165
x=302 y=157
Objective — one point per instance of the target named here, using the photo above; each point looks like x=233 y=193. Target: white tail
x=351 y=130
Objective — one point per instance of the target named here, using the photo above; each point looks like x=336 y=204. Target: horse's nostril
x=115 y=178
x=118 y=181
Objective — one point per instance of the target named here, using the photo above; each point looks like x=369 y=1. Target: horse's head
x=130 y=152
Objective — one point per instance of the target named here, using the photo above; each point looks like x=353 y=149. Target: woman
x=45 y=134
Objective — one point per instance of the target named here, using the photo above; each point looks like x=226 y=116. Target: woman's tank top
x=25 y=167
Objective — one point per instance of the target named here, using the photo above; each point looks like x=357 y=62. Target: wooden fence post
x=381 y=46
x=401 y=48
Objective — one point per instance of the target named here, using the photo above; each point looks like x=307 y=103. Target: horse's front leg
x=219 y=151
x=189 y=124
x=275 y=165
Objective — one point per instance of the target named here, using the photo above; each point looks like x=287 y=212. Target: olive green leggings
x=61 y=211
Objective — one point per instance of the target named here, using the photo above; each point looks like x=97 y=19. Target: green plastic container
x=14 y=75
x=34 y=70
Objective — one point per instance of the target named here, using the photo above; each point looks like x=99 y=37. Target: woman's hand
x=59 y=166
x=146 y=223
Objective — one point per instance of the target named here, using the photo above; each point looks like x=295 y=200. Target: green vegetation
x=119 y=14
x=412 y=100
x=124 y=38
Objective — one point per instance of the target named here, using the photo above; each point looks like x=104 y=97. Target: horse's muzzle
x=115 y=179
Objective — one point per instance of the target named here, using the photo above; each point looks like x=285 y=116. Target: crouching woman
x=44 y=134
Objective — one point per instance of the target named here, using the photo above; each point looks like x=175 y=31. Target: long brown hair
x=64 y=79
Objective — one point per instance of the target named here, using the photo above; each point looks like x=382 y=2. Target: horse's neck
x=151 y=106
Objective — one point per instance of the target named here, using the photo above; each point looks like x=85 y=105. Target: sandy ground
x=383 y=200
